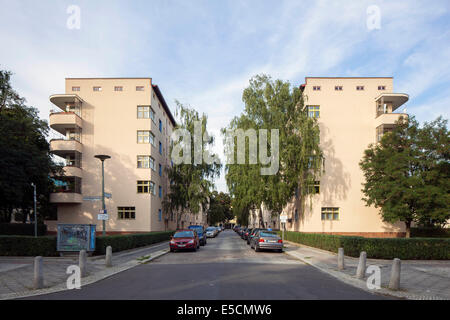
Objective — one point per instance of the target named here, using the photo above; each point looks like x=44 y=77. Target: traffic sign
x=283 y=217
x=103 y=217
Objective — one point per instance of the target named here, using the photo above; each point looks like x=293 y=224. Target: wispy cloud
x=204 y=53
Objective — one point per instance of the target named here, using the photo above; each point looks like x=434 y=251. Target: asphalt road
x=226 y=268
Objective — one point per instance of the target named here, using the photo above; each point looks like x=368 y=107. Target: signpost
x=283 y=220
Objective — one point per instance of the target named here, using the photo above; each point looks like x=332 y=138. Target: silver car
x=211 y=232
x=269 y=240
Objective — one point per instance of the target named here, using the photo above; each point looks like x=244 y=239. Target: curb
x=361 y=284
x=101 y=275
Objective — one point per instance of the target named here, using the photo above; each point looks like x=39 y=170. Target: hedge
x=377 y=248
x=28 y=246
x=22 y=229
x=46 y=246
x=430 y=232
x=130 y=241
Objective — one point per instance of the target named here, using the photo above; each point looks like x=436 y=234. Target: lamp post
x=102 y=158
x=34 y=210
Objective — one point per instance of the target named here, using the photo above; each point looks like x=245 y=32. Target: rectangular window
x=338 y=88
x=330 y=213
x=75 y=88
x=159 y=214
x=160 y=191
x=359 y=88
x=296 y=215
x=145 y=162
x=160 y=170
x=160 y=148
x=97 y=89
x=160 y=125
x=126 y=213
x=143 y=112
x=381 y=87
x=145 y=136
x=139 y=88
x=143 y=186
x=152 y=188
x=118 y=88
x=314 y=189
x=316 y=88
x=313 y=111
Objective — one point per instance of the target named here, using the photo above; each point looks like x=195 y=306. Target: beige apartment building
x=129 y=120
x=352 y=113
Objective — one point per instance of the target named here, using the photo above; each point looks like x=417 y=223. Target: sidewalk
x=419 y=279
x=16 y=273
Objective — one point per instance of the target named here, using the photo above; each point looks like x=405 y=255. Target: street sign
x=103 y=217
x=103 y=211
x=283 y=218
x=97 y=198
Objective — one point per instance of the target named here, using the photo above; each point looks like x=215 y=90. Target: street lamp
x=102 y=158
x=35 y=218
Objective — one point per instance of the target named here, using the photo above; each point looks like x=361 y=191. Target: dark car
x=185 y=239
x=200 y=232
x=247 y=234
x=243 y=233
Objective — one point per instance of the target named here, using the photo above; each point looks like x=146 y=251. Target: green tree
x=191 y=183
x=275 y=105
x=407 y=173
x=24 y=156
x=219 y=208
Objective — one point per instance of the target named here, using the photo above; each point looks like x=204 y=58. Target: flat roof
x=108 y=78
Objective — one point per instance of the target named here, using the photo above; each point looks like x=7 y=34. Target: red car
x=186 y=239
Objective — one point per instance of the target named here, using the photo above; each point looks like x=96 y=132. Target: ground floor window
x=329 y=213
x=126 y=213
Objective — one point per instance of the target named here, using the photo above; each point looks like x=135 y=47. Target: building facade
x=352 y=113
x=129 y=120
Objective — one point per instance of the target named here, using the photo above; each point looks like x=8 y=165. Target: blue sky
x=203 y=53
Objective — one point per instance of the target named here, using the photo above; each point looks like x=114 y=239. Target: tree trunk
x=408 y=229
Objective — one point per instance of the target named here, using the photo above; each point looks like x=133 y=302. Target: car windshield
x=210 y=229
x=200 y=228
x=184 y=234
x=268 y=234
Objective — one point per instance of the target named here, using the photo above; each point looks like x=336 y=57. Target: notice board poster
x=76 y=237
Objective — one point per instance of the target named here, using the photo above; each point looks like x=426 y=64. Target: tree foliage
x=275 y=105
x=191 y=184
x=407 y=175
x=24 y=155
x=219 y=208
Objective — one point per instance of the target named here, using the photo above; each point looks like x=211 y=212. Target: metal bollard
x=108 y=257
x=361 y=270
x=82 y=263
x=394 y=283
x=341 y=264
x=38 y=281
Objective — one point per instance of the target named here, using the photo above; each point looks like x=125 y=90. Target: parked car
x=236 y=228
x=211 y=232
x=184 y=239
x=247 y=234
x=242 y=233
x=264 y=239
x=241 y=230
x=252 y=234
x=200 y=232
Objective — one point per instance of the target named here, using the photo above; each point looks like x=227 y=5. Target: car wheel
x=257 y=249
x=206 y=242
x=172 y=250
x=195 y=249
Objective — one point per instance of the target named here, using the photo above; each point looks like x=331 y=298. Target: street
x=226 y=268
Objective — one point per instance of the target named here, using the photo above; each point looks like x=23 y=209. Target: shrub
x=28 y=246
x=377 y=248
x=130 y=241
x=22 y=229
x=430 y=232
